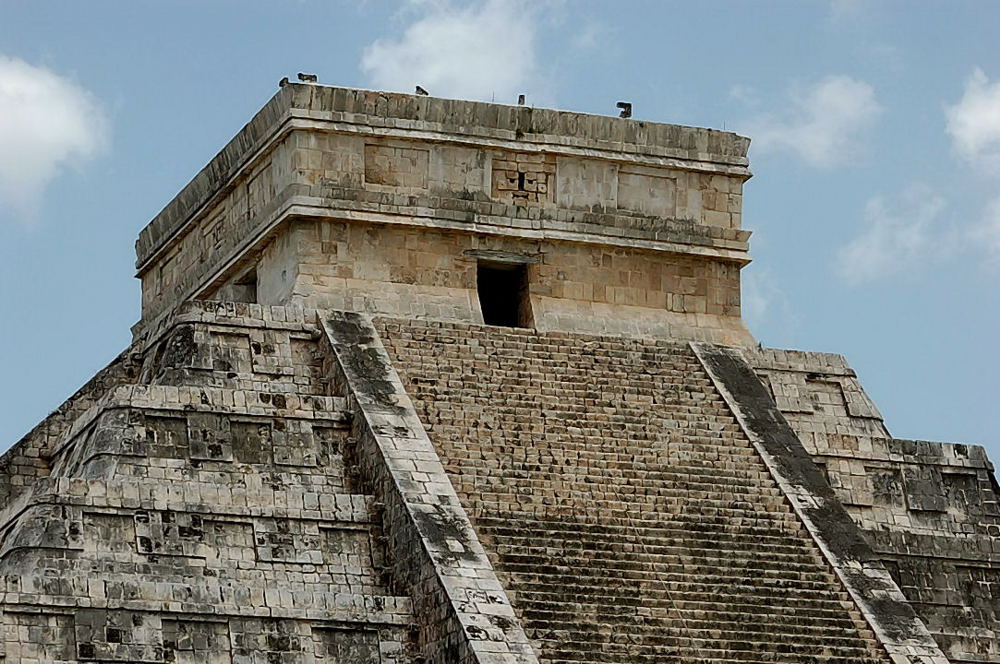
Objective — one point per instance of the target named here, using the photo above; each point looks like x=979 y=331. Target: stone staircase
x=626 y=512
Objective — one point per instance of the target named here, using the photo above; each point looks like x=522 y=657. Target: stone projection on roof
x=420 y=381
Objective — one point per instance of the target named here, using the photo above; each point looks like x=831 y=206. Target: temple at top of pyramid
x=428 y=381
x=400 y=205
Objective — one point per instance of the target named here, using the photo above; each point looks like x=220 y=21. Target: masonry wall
x=640 y=204
x=421 y=273
x=205 y=509
x=549 y=180
x=222 y=228
x=29 y=459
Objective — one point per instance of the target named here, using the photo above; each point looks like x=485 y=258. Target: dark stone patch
x=365 y=367
x=441 y=525
x=179 y=348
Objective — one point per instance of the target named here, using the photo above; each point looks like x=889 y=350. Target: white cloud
x=483 y=51
x=759 y=295
x=974 y=122
x=900 y=235
x=824 y=123
x=47 y=122
x=745 y=94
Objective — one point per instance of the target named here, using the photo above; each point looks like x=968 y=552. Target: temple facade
x=423 y=381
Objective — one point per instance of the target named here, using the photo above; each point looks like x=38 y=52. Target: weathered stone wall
x=929 y=510
x=820 y=396
x=422 y=273
x=398 y=115
x=207 y=512
x=656 y=188
x=223 y=229
x=29 y=459
x=625 y=510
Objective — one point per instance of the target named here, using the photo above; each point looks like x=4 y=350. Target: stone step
x=591 y=582
x=643 y=563
x=758 y=531
x=741 y=636
x=813 y=601
x=613 y=485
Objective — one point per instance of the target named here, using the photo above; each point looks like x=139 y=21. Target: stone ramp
x=626 y=511
x=462 y=613
x=929 y=510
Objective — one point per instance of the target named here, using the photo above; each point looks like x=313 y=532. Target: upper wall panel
x=428 y=118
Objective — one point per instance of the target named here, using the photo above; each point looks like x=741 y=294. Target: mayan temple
x=426 y=381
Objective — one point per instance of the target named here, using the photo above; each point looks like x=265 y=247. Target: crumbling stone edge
x=462 y=611
x=880 y=601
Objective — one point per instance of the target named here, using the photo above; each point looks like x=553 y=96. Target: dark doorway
x=245 y=288
x=503 y=294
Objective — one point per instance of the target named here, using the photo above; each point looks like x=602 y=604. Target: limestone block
x=343 y=645
x=45 y=526
x=286 y=540
x=587 y=184
x=396 y=166
x=196 y=642
x=647 y=191
x=169 y=533
x=259 y=641
x=524 y=178
x=209 y=437
x=462 y=171
x=328 y=158
x=118 y=636
x=924 y=489
x=39 y=637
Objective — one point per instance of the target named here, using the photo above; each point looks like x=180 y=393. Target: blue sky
x=875 y=203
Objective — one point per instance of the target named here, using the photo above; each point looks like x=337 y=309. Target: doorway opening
x=244 y=288
x=503 y=294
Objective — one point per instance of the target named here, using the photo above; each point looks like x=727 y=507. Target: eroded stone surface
x=250 y=481
x=629 y=516
x=360 y=201
x=209 y=512
x=929 y=510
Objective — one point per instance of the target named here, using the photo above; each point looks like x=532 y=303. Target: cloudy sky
x=875 y=203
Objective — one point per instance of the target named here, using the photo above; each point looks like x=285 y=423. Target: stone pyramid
x=423 y=381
